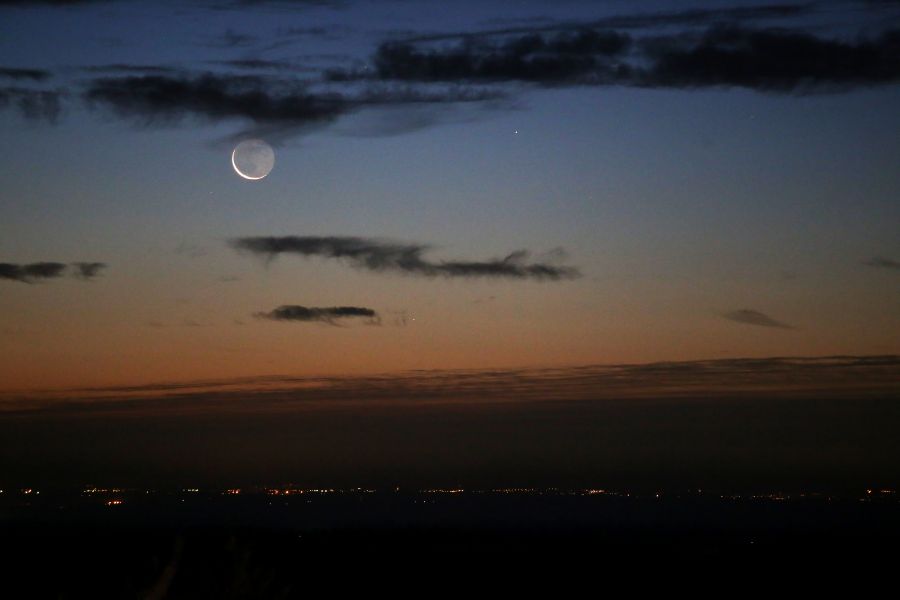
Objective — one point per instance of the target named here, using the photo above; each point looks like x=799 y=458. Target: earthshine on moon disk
x=253 y=159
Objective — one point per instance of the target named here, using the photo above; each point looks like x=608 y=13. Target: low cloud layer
x=385 y=256
x=670 y=424
x=754 y=317
x=42 y=271
x=331 y=315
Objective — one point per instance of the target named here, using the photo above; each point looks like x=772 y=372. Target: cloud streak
x=42 y=271
x=754 y=317
x=392 y=257
x=331 y=315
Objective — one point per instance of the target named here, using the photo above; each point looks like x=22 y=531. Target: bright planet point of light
x=253 y=159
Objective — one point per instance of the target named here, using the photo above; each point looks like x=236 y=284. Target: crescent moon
x=252 y=159
x=238 y=171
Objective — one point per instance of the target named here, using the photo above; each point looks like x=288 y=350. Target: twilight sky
x=497 y=185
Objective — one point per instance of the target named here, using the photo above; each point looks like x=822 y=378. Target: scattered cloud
x=387 y=256
x=41 y=271
x=754 y=317
x=330 y=315
x=883 y=263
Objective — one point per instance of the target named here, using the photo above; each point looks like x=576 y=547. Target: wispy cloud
x=331 y=315
x=754 y=317
x=387 y=256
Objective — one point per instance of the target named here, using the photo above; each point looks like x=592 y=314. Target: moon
x=253 y=159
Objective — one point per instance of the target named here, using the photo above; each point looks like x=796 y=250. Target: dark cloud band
x=331 y=315
x=385 y=256
x=775 y=60
x=214 y=97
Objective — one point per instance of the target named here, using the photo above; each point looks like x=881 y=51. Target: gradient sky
x=710 y=214
x=677 y=205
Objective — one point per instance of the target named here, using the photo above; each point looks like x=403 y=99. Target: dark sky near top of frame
x=769 y=48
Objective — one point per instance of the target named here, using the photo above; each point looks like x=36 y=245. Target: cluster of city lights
x=112 y=496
